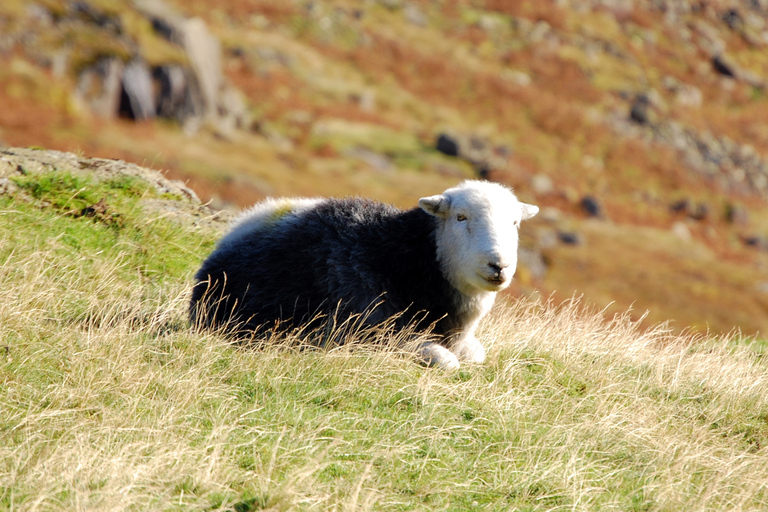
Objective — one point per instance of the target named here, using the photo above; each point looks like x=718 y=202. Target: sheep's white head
x=477 y=236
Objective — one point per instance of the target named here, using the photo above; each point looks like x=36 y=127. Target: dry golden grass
x=108 y=401
x=111 y=402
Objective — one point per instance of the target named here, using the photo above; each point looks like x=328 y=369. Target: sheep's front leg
x=468 y=348
x=464 y=347
x=433 y=354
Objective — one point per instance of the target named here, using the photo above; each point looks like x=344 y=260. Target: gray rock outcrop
x=187 y=86
x=174 y=199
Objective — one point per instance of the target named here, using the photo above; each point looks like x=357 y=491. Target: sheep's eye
x=461 y=218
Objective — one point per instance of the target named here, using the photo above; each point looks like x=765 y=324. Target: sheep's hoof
x=470 y=350
x=432 y=354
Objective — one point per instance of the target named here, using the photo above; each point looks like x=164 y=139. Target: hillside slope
x=639 y=126
x=111 y=402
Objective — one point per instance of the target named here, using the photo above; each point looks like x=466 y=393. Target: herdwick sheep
x=437 y=267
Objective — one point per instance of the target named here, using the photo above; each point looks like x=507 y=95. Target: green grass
x=110 y=402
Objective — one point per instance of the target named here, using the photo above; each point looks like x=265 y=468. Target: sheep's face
x=478 y=234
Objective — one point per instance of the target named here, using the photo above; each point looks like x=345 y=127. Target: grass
x=111 y=402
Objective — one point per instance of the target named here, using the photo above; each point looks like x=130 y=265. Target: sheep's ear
x=529 y=210
x=435 y=205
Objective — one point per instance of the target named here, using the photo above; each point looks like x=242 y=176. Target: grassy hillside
x=651 y=111
x=111 y=402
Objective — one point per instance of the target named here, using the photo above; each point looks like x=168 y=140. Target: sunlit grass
x=110 y=401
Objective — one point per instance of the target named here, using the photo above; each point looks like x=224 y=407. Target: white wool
x=267 y=213
x=477 y=237
x=477 y=240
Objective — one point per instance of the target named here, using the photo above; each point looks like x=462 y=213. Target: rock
x=724 y=66
x=686 y=95
x=365 y=99
x=204 y=53
x=24 y=160
x=592 y=163
x=190 y=93
x=100 y=87
x=710 y=40
x=414 y=15
x=700 y=212
x=447 y=145
x=138 y=98
x=696 y=211
x=207 y=89
x=233 y=110
x=39 y=15
x=178 y=95
x=108 y=47
x=753 y=20
x=184 y=205
x=541 y=185
x=689 y=96
x=519 y=78
x=729 y=68
x=570 y=238
x=680 y=206
x=733 y=19
x=736 y=214
x=7 y=187
x=639 y=111
x=476 y=150
x=163 y=27
x=758 y=242
x=681 y=231
x=591 y=206
x=541 y=30
x=91 y=14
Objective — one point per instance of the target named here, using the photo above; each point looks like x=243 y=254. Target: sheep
x=436 y=267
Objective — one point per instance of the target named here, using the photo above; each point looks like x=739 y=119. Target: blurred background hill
x=639 y=127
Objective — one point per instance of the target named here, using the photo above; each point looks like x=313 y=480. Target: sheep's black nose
x=497 y=268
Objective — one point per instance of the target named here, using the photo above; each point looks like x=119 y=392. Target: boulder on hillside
x=100 y=87
x=138 y=97
x=591 y=206
x=570 y=238
x=447 y=145
x=179 y=96
x=638 y=112
x=204 y=53
x=696 y=211
x=188 y=87
x=724 y=66
x=758 y=242
x=736 y=214
x=173 y=199
x=728 y=67
x=475 y=149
